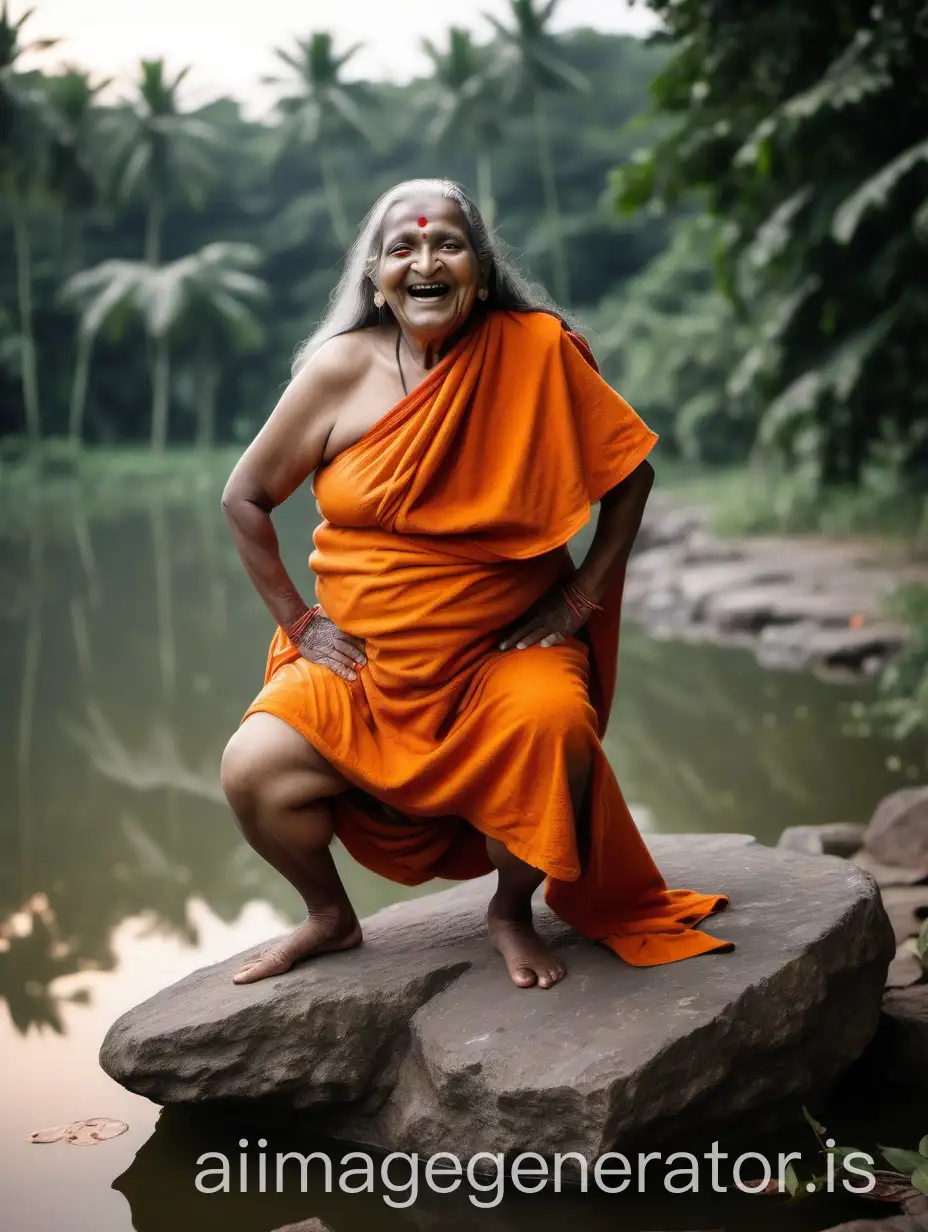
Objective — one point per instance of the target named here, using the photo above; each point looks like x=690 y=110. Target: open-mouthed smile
x=428 y=290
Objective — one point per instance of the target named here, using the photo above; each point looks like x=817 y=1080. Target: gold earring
x=482 y=293
x=379 y=300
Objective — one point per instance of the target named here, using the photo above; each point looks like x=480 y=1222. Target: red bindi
x=423 y=222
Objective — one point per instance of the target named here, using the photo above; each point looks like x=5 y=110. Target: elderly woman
x=439 y=707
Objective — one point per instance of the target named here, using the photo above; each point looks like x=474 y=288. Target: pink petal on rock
x=94 y=1130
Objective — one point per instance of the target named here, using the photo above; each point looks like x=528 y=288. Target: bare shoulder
x=337 y=366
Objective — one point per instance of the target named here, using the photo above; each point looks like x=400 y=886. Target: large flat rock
x=418 y=1041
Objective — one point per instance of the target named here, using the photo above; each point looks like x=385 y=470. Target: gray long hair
x=351 y=305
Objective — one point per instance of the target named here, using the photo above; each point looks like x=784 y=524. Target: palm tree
x=530 y=66
x=22 y=143
x=465 y=96
x=215 y=290
x=205 y=296
x=163 y=152
x=323 y=110
x=73 y=179
x=106 y=297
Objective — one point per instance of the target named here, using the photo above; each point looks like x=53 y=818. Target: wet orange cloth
x=443 y=524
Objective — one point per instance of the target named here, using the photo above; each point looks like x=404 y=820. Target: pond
x=130 y=643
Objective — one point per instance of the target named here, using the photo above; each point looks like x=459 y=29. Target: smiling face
x=428 y=271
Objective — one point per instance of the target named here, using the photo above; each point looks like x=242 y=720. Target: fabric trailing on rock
x=442 y=525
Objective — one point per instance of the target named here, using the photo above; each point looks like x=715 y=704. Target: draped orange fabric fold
x=442 y=525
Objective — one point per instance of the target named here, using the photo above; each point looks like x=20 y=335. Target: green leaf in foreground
x=904 y=1161
x=791 y=1180
x=810 y=1119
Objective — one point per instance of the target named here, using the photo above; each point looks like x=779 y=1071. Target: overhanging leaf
x=875 y=191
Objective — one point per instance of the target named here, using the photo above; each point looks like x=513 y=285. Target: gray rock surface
x=898 y=830
x=419 y=1041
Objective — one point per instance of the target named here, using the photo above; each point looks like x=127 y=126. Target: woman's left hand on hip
x=548 y=622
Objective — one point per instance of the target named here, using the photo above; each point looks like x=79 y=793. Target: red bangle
x=578 y=594
x=299 y=626
x=570 y=603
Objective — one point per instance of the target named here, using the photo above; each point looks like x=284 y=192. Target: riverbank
x=723 y=556
x=46 y=487
x=798 y=601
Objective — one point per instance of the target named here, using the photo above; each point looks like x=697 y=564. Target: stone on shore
x=800 y=603
x=836 y=838
x=902 y=1043
x=905 y=969
x=898 y=831
x=887 y=875
x=419 y=1041
x=907 y=908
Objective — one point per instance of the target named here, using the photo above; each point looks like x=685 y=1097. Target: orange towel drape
x=442 y=524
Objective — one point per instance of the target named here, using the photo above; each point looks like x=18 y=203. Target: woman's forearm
x=256 y=539
x=620 y=514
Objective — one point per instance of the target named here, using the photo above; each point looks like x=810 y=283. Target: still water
x=130 y=643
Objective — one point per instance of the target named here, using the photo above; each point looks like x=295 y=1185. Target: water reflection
x=130 y=648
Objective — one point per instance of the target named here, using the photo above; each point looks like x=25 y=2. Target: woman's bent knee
x=264 y=755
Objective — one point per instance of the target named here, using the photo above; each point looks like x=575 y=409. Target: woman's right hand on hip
x=323 y=642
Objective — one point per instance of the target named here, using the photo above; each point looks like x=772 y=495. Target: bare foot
x=321 y=934
x=529 y=960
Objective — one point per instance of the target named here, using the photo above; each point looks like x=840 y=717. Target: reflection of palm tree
x=531 y=66
x=466 y=98
x=324 y=110
x=156 y=766
x=27 y=702
x=163 y=152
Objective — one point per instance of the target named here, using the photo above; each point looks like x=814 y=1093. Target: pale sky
x=230 y=43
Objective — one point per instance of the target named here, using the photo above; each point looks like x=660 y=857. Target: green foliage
x=766 y=498
x=802 y=131
x=169 y=182
x=670 y=334
x=903 y=702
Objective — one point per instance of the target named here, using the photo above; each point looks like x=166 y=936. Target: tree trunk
x=160 y=395
x=552 y=206
x=153 y=232
x=206 y=404
x=79 y=386
x=485 y=185
x=30 y=376
x=333 y=196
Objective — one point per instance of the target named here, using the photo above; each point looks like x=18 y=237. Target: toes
x=274 y=962
x=554 y=975
x=523 y=976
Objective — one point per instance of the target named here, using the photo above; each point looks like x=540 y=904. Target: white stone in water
x=418 y=1041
